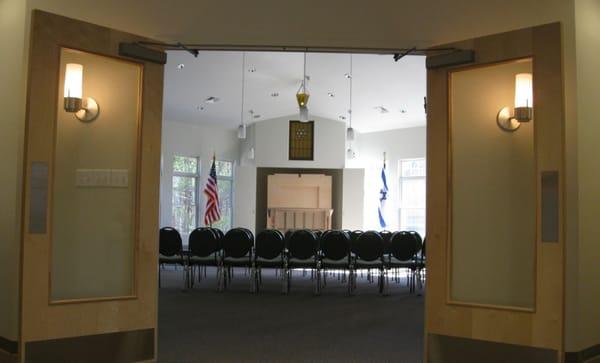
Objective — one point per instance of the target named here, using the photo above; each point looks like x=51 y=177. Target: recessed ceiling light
x=382 y=109
x=275 y=94
x=342 y=117
x=347 y=75
x=212 y=99
x=330 y=94
x=252 y=70
x=180 y=66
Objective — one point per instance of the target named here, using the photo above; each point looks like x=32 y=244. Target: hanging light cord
x=303 y=83
x=351 y=76
x=243 y=83
x=304 y=79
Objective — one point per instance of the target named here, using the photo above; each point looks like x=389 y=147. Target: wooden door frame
x=40 y=320
x=543 y=326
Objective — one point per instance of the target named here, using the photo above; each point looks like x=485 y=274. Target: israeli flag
x=382 y=198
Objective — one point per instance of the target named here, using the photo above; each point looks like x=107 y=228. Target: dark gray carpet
x=203 y=325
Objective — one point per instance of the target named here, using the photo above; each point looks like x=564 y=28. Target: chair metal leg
x=384 y=281
x=191 y=277
x=317 y=274
x=253 y=280
x=186 y=278
x=283 y=281
x=220 y=278
x=352 y=281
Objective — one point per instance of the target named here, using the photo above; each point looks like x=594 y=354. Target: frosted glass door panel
x=493 y=191
x=94 y=184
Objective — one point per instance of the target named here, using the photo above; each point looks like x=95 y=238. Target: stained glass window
x=301 y=140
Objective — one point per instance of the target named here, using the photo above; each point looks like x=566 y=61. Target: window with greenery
x=412 y=195
x=225 y=185
x=186 y=177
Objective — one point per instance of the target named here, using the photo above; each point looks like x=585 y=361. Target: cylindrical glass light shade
x=73 y=90
x=242 y=131
x=350 y=134
x=523 y=97
x=523 y=90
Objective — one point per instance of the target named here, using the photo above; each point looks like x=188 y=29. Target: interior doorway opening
x=235 y=110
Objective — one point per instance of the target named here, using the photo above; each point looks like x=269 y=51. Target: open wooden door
x=495 y=243
x=90 y=207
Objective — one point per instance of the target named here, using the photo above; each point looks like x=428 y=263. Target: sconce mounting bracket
x=505 y=121
x=89 y=110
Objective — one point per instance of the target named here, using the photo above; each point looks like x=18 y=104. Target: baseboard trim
x=583 y=355
x=8 y=345
x=120 y=347
x=443 y=348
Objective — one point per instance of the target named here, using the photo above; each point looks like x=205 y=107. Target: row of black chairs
x=319 y=252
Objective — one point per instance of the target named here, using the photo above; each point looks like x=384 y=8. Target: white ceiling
x=377 y=81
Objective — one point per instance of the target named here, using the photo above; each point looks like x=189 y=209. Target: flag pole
x=213 y=161
x=384 y=159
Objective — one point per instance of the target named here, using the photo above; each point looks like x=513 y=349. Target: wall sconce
x=523 y=111
x=85 y=109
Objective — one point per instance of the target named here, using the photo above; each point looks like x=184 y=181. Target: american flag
x=212 y=212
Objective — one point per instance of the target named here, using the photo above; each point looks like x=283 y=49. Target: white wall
x=187 y=139
x=587 y=267
x=244 y=203
x=353 y=198
x=272 y=141
x=397 y=144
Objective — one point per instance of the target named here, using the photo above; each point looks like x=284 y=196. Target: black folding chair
x=204 y=250
x=354 y=239
x=404 y=248
x=269 y=252
x=369 y=255
x=170 y=251
x=335 y=254
x=387 y=242
x=238 y=246
x=302 y=252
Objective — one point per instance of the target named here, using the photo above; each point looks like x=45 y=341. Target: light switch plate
x=102 y=177
x=119 y=178
x=83 y=178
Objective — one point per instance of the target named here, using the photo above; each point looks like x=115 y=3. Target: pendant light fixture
x=350 y=154
x=242 y=127
x=302 y=95
x=350 y=130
